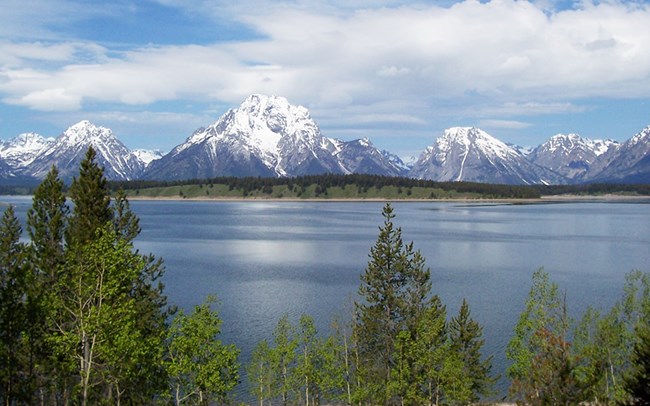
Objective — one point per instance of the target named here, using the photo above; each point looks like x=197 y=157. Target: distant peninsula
x=359 y=187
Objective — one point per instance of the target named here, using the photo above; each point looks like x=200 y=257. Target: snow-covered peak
x=260 y=121
x=566 y=144
x=23 y=149
x=29 y=141
x=472 y=136
x=85 y=132
x=146 y=156
x=641 y=136
x=26 y=142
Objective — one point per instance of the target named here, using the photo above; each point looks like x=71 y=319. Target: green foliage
x=13 y=285
x=393 y=289
x=301 y=367
x=597 y=366
x=637 y=382
x=465 y=336
x=283 y=358
x=542 y=366
x=259 y=371
x=200 y=367
x=406 y=352
x=92 y=319
x=91 y=198
x=46 y=221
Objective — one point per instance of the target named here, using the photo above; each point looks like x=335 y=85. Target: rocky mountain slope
x=629 y=163
x=266 y=136
x=67 y=151
x=571 y=156
x=471 y=154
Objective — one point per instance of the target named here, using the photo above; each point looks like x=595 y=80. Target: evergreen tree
x=46 y=222
x=394 y=290
x=431 y=356
x=91 y=198
x=13 y=366
x=99 y=273
x=126 y=222
x=465 y=336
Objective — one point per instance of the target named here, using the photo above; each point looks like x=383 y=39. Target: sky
x=396 y=72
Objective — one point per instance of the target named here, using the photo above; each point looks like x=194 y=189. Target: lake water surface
x=265 y=259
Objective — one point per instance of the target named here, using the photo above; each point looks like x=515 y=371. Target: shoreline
x=542 y=200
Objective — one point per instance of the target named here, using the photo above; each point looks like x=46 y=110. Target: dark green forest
x=84 y=320
x=361 y=186
x=333 y=186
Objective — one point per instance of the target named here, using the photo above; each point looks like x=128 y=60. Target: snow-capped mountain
x=470 y=154
x=361 y=156
x=570 y=155
x=628 y=163
x=5 y=170
x=21 y=150
x=146 y=156
x=69 y=149
x=266 y=136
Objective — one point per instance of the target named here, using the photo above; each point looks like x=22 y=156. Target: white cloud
x=505 y=124
x=514 y=54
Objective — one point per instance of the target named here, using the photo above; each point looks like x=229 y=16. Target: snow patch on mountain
x=21 y=150
x=69 y=149
x=471 y=154
x=146 y=156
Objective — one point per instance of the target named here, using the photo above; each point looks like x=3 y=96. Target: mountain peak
x=471 y=154
x=85 y=132
x=23 y=149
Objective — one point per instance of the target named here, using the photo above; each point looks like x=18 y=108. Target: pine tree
x=91 y=198
x=465 y=335
x=46 y=221
x=12 y=310
x=394 y=288
x=118 y=355
x=431 y=355
x=126 y=222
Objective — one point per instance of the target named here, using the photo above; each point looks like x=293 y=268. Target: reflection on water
x=264 y=259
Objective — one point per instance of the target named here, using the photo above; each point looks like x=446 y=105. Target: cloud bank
x=403 y=61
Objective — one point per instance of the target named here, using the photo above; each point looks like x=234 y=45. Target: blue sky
x=396 y=72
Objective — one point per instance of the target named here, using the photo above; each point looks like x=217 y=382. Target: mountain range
x=266 y=136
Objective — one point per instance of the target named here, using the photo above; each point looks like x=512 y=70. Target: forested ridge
x=362 y=186
x=346 y=186
x=84 y=320
x=323 y=187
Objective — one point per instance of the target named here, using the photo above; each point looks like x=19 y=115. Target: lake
x=265 y=259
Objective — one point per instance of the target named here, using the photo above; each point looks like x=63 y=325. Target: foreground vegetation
x=84 y=320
